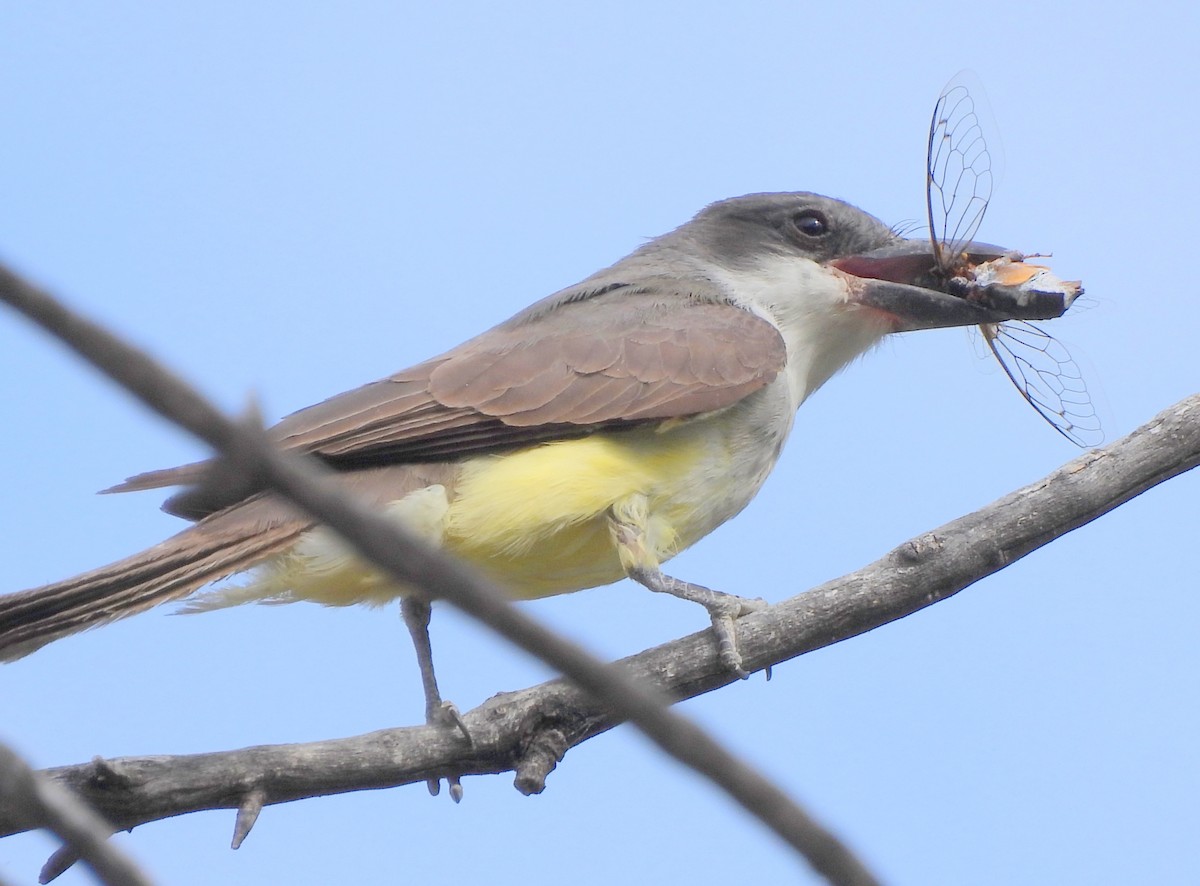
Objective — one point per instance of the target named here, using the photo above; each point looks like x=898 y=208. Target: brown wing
x=591 y=364
x=621 y=358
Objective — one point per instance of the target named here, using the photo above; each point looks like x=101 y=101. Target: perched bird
x=591 y=437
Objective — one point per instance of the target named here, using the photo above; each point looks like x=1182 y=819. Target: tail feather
x=215 y=548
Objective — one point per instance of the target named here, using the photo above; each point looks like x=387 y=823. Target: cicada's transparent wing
x=1047 y=377
x=959 y=176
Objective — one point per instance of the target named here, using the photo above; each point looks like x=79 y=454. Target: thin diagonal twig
x=380 y=542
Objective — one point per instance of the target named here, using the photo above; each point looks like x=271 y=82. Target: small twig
x=58 y=863
x=247 y=815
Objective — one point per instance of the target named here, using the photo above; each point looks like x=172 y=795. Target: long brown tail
x=219 y=546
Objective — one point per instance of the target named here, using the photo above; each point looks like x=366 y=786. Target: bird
x=589 y=438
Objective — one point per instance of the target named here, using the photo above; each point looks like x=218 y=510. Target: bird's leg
x=416 y=612
x=627 y=522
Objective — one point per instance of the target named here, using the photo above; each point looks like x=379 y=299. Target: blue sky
x=286 y=200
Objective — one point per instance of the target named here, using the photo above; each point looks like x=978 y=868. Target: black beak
x=904 y=281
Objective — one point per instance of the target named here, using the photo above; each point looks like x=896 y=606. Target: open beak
x=903 y=281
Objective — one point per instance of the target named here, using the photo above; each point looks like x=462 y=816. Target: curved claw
x=447 y=714
x=724 y=609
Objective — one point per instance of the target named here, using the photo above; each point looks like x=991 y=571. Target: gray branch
x=528 y=732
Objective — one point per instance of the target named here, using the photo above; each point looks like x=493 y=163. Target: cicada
x=959 y=182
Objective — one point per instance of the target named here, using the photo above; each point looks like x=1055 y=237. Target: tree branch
x=529 y=731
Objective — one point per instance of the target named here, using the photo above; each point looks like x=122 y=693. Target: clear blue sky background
x=288 y=200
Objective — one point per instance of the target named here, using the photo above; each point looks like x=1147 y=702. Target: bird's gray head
x=757 y=236
x=738 y=233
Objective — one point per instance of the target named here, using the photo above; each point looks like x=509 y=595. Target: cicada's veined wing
x=958 y=174
x=1047 y=377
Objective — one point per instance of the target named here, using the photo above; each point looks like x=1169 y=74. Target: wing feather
x=618 y=359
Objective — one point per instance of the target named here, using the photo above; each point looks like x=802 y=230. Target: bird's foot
x=724 y=610
x=445 y=715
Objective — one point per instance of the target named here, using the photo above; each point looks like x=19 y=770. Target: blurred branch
x=380 y=542
x=36 y=798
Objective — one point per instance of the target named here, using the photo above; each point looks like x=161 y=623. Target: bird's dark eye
x=811 y=223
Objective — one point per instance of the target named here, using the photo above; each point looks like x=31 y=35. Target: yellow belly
x=536 y=521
